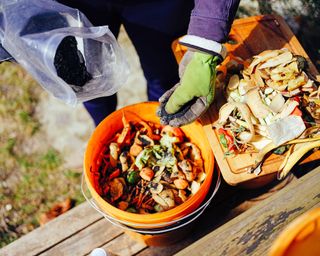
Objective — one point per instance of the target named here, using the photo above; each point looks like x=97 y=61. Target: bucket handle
x=115 y=222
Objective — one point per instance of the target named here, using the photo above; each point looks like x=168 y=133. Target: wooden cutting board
x=251 y=36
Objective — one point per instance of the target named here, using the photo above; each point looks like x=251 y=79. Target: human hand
x=190 y=98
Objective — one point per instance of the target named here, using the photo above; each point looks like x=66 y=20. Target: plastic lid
x=300 y=237
x=98 y=252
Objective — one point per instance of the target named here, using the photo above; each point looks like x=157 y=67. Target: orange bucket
x=300 y=237
x=105 y=131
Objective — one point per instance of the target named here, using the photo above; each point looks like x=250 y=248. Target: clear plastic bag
x=31 y=32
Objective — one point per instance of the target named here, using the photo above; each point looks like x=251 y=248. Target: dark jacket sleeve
x=212 y=19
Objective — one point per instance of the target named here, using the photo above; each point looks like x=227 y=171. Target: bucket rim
x=169 y=225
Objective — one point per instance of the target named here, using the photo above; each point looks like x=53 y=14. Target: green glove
x=188 y=100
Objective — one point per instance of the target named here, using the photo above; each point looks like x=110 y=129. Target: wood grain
x=253 y=35
x=53 y=232
x=253 y=232
x=87 y=239
x=124 y=245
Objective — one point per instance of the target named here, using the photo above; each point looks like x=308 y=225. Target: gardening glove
x=192 y=96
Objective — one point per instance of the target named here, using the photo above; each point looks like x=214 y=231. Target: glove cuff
x=205 y=45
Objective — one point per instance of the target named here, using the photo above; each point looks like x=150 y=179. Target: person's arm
x=209 y=27
x=212 y=19
x=210 y=24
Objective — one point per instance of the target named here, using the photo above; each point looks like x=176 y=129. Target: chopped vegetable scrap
x=148 y=168
x=271 y=100
x=312 y=103
x=237 y=128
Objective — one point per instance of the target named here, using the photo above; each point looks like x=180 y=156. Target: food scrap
x=271 y=101
x=149 y=168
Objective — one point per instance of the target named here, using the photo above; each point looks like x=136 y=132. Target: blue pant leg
x=99 y=108
x=152 y=27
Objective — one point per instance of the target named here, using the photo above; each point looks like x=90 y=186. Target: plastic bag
x=31 y=31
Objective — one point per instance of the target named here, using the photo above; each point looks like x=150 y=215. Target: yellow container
x=300 y=238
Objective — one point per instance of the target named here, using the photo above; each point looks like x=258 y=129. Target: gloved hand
x=186 y=101
x=190 y=98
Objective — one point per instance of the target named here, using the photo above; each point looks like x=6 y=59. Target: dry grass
x=32 y=176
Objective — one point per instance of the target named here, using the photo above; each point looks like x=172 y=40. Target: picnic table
x=237 y=222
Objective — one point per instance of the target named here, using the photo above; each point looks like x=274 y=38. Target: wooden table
x=237 y=222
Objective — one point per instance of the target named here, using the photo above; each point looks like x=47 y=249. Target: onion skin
x=256 y=105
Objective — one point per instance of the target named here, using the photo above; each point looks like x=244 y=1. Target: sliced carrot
x=156 y=137
x=115 y=174
x=123 y=205
x=106 y=189
x=104 y=168
x=296 y=112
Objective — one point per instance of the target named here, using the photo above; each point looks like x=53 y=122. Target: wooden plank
x=124 y=245
x=253 y=232
x=253 y=35
x=86 y=240
x=53 y=232
x=165 y=250
x=228 y=204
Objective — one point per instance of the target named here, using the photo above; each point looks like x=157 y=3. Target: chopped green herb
x=133 y=177
x=223 y=140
